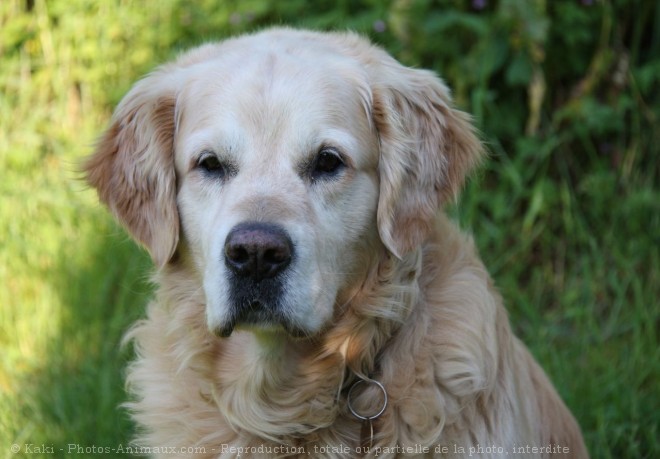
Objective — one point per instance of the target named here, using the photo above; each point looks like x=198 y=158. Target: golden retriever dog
x=313 y=300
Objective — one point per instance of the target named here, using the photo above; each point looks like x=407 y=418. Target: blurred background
x=566 y=213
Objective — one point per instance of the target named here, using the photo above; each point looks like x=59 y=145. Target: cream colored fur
x=384 y=285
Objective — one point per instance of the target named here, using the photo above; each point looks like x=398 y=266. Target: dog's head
x=278 y=167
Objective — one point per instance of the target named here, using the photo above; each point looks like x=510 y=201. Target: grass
x=571 y=242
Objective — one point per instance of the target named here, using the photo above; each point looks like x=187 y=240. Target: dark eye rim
x=324 y=173
x=211 y=164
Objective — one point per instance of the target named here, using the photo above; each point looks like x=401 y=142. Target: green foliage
x=566 y=213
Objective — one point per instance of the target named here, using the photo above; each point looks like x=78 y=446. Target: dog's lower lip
x=258 y=315
x=295 y=332
x=226 y=331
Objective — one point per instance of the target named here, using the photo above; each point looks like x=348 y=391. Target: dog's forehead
x=276 y=92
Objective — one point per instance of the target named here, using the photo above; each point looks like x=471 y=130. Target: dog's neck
x=271 y=386
x=296 y=387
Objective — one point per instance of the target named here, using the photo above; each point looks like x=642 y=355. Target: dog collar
x=367 y=430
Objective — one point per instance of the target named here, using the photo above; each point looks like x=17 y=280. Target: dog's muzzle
x=257 y=256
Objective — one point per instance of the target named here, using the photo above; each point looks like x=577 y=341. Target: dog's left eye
x=327 y=164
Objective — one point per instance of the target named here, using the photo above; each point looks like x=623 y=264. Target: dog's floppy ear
x=133 y=165
x=427 y=149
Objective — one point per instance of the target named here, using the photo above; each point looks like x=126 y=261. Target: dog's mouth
x=250 y=313
x=252 y=303
x=259 y=315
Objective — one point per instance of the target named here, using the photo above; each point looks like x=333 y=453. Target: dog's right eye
x=212 y=165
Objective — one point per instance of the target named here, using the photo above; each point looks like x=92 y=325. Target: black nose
x=257 y=250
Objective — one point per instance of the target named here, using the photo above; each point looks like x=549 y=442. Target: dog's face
x=278 y=189
x=280 y=167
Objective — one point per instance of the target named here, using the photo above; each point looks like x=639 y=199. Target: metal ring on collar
x=350 y=405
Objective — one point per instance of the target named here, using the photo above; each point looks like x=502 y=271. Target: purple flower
x=379 y=26
x=479 y=4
